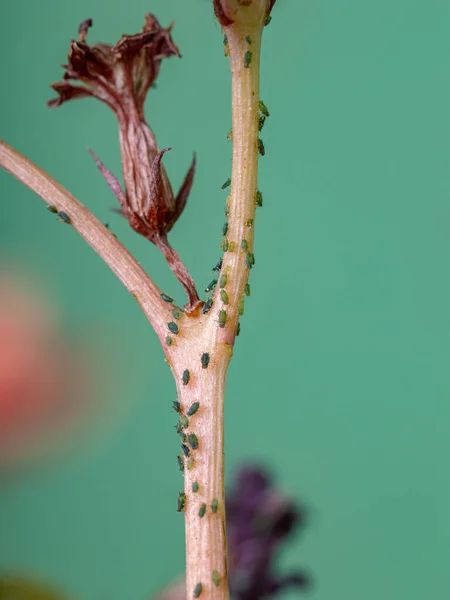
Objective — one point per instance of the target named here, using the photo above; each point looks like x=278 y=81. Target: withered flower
x=120 y=76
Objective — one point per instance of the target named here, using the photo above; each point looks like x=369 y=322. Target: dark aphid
x=180 y=461
x=205 y=361
x=176 y=406
x=227 y=183
x=261 y=122
x=186 y=450
x=261 y=147
x=226 y=47
x=259 y=198
x=169 y=340
x=186 y=377
x=248 y=39
x=222 y=318
x=211 y=286
x=190 y=464
x=223 y=280
x=216 y=578
x=184 y=421
x=166 y=298
x=207 y=306
x=225 y=228
x=183 y=437
x=267 y=21
x=198 y=590
x=244 y=245
x=247 y=59
x=193 y=409
x=224 y=245
x=263 y=109
x=181 y=501
x=176 y=313
x=219 y=265
x=192 y=440
x=241 y=306
x=214 y=505
x=173 y=327
x=247 y=289
x=179 y=428
x=202 y=511
x=238 y=330
x=250 y=260
x=195 y=487
x=52 y=209
x=64 y=217
x=224 y=297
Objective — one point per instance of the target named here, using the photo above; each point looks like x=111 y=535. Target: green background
x=340 y=378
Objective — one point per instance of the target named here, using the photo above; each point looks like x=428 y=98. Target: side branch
x=115 y=255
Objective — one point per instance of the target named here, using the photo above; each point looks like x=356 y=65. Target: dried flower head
x=120 y=76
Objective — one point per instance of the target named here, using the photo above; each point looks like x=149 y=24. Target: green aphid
x=176 y=313
x=223 y=280
x=180 y=461
x=64 y=217
x=193 y=409
x=227 y=208
x=218 y=265
x=183 y=437
x=184 y=421
x=238 y=330
x=259 y=198
x=214 y=505
x=263 y=109
x=181 y=501
x=250 y=223
x=198 y=590
x=202 y=511
x=230 y=135
x=52 y=209
x=166 y=298
x=248 y=39
x=169 y=340
x=248 y=59
x=207 y=306
x=267 y=21
x=185 y=450
x=250 y=259
x=247 y=289
x=244 y=245
x=224 y=297
x=224 y=245
x=192 y=440
x=241 y=307
x=195 y=487
x=176 y=406
x=173 y=327
x=186 y=377
x=225 y=228
x=190 y=464
x=227 y=183
x=222 y=318
x=231 y=246
x=261 y=122
x=205 y=360
x=211 y=286
x=261 y=147
x=215 y=578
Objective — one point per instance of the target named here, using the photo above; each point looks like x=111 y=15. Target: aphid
x=216 y=578
x=247 y=289
x=263 y=109
x=64 y=217
x=227 y=207
x=226 y=47
x=248 y=39
x=259 y=198
x=176 y=313
x=176 y=406
x=231 y=246
x=190 y=464
x=180 y=461
x=186 y=450
x=261 y=147
x=238 y=330
x=52 y=209
x=207 y=306
x=169 y=340
x=250 y=223
x=192 y=440
x=198 y=590
x=230 y=135
x=173 y=327
x=214 y=505
x=223 y=280
x=211 y=286
x=222 y=318
x=195 y=487
x=183 y=436
x=227 y=183
x=224 y=245
x=225 y=228
x=241 y=306
x=218 y=265
x=179 y=428
x=247 y=59
x=202 y=511
x=181 y=501
x=261 y=122
x=205 y=361
x=244 y=245
x=184 y=421
x=224 y=297
x=186 y=377
x=250 y=259
x=267 y=21
x=166 y=298
x=193 y=409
